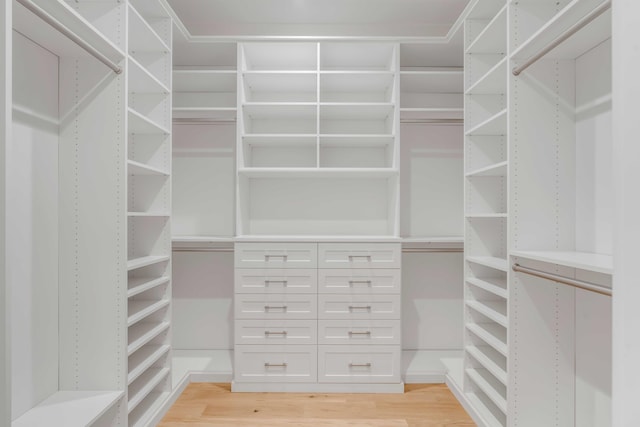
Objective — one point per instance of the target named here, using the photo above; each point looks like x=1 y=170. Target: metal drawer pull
x=360 y=282
x=268 y=282
x=359 y=365
x=275 y=307
x=282 y=257
x=360 y=307
x=267 y=333
x=359 y=333
x=352 y=257
x=275 y=365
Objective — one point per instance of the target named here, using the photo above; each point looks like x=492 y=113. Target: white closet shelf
x=317 y=238
x=490 y=386
x=140 y=310
x=485 y=10
x=148 y=215
x=144 y=385
x=426 y=366
x=492 y=334
x=593 y=34
x=280 y=82
x=355 y=110
x=432 y=81
x=356 y=141
x=433 y=239
x=487 y=416
x=140 y=124
x=277 y=72
x=142 y=81
x=495 y=285
x=143 y=333
x=198 y=80
x=145 y=261
x=494 y=310
x=355 y=173
x=431 y=113
x=493 y=39
x=151 y=405
x=281 y=110
x=202 y=239
x=488 y=358
x=496 y=169
x=143 y=38
x=362 y=71
x=494 y=125
x=150 y=9
x=492 y=82
x=487 y=261
x=137 y=285
x=598 y=263
x=485 y=215
x=48 y=37
x=137 y=168
x=143 y=359
x=355 y=136
x=379 y=82
x=70 y=409
x=213 y=113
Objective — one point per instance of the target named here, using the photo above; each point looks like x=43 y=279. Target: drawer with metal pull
x=338 y=306
x=359 y=281
x=359 y=255
x=276 y=331
x=276 y=306
x=359 y=332
x=276 y=255
x=279 y=280
x=359 y=364
x=275 y=363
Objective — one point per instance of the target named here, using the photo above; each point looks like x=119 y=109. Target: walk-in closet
x=319 y=197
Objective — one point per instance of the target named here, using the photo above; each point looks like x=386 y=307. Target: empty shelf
x=494 y=125
x=144 y=385
x=204 y=80
x=496 y=169
x=137 y=285
x=139 y=124
x=143 y=38
x=144 y=359
x=142 y=81
x=138 y=310
x=144 y=261
x=493 y=361
x=494 y=82
x=493 y=39
x=69 y=409
x=598 y=263
x=485 y=413
x=356 y=173
x=431 y=113
x=210 y=113
x=494 y=310
x=431 y=81
x=493 y=262
x=144 y=332
x=496 y=286
x=137 y=168
x=491 y=387
x=492 y=334
x=140 y=417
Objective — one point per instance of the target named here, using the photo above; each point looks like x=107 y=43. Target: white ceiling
x=319 y=18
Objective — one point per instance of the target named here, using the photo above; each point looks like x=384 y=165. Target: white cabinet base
x=316 y=388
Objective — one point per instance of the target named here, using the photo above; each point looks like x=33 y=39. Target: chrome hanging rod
x=561 y=279
x=567 y=34
x=46 y=17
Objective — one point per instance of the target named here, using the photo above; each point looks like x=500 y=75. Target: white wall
x=32 y=225
x=5 y=137
x=626 y=292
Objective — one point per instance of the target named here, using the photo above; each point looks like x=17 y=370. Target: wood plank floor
x=422 y=405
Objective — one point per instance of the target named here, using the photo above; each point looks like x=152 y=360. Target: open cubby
x=279 y=87
x=279 y=57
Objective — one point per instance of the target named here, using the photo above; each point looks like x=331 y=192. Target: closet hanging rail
x=42 y=14
x=560 y=39
x=567 y=281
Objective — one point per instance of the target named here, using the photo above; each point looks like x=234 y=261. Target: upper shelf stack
x=317 y=139
x=486 y=170
x=149 y=207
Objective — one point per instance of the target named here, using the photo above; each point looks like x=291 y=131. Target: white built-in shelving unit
x=66 y=232
x=486 y=211
x=561 y=214
x=318 y=128
x=149 y=208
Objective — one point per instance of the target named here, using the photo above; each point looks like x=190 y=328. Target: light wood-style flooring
x=422 y=405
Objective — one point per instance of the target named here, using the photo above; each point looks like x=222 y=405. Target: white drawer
x=359 y=281
x=359 y=255
x=276 y=255
x=359 y=332
x=279 y=280
x=275 y=363
x=359 y=364
x=276 y=332
x=358 y=306
x=276 y=306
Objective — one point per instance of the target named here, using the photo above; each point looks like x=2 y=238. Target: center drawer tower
x=317 y=317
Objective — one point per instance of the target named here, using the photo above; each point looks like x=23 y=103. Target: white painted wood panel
x=276 y=281
x=276 y=331
x=353 y=307
x=359 y=255
x=276 y=306
x=359 y=281
x=276 y=255
x=361 y=332
x=359 y=364
x=279 y=363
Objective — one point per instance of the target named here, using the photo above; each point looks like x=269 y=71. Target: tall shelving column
x=486 y=171
x=149 y=207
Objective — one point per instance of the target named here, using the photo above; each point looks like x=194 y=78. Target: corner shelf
x=145 y=261
x=70 y=409
x=598 y=263
x=137 y=168
x=490 y=386
x=492 y=334
x=498 y=287
x=494 y=310
x=143 y=333
x=492 y=38
x=494 y=125
x=487 y=357
x=496 y=169
x=138 y=285
x=492 y=262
